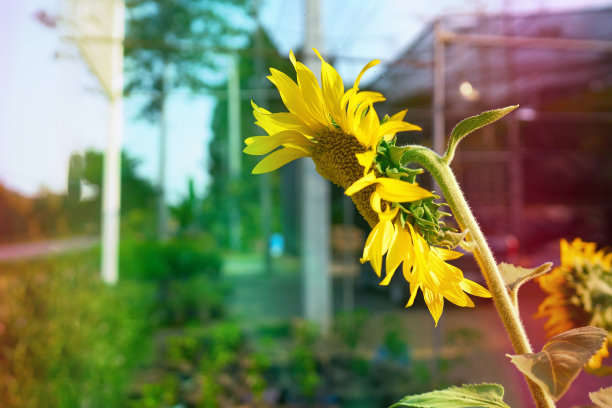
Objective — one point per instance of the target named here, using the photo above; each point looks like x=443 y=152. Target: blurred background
x=142 y=265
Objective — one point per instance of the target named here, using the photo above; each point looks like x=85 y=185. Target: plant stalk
x=507 y=311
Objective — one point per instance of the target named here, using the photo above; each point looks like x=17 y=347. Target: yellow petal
x=273 y=123
x=375 y=202
x=399 y=115
x=435 y=303
x=360 y=184
x=366 y=159
x=447 y=254
x=277 y=159
x=363 y=71
x=474 y=289
x=311 y=92
x=372 y=251
x=399 y=191
x=390 y=128
x=291 y=95
x=414 y=289
x=265 y=144
x=400 y=251
x=333 y=88
x=366 y=131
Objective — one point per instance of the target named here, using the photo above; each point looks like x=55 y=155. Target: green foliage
x=350 y=325
x=173 y=259
x=466 y=396
x=175 y=43
x=67 y=339
x=425 y=215
x=246 y=192
x=471 y=124
x=186 y=274
x=561 y=359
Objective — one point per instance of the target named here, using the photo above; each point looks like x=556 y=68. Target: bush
x=174 y=259
x=66 y=338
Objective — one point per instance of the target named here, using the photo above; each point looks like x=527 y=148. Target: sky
x=52 y=106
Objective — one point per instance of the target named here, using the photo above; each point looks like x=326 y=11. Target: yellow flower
x=341 y=132
x=579 y=292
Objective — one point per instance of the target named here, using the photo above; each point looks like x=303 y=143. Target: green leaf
x=466 y=396
x=602 y=398
x=514 y=276
x=561 y=359
x=469 y=125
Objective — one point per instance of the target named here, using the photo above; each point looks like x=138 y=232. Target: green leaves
x=514 y=276
x=466 y=396
x=469 y=125
x=561 y=359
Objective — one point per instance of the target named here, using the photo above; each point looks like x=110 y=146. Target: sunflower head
x=579 y=292
x=351 y=146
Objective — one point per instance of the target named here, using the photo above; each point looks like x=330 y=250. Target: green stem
x=508 y=313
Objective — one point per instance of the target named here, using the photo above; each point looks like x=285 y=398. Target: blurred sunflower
x=350 y=146
x=579 y=294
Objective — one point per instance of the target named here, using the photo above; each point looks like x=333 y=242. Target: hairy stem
x=508 y=313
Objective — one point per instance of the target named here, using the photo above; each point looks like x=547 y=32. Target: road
x=38 y=249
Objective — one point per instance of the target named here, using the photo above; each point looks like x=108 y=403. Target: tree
x=173 y=44
x=246 y=191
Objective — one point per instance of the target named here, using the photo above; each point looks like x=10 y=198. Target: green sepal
x=469 y=125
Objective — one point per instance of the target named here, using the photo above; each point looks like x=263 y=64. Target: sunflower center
x=334 y=158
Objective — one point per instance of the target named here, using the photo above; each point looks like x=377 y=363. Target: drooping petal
x=435 y=303
x=473 y=288
x=278 y=159
x=400 y=251
x=447 y=254
x=399 y=191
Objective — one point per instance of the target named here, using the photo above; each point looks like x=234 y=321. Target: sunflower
x=349 y=144
x=579 y=293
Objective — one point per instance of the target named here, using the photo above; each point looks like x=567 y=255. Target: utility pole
x=111 y=195
x=98 y=30
x=439 y=84
x=162 y=210
x=316 y=214
x=265 y=190
x=234 y=146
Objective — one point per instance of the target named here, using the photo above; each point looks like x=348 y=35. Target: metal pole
x=111 y=195
x=265 y=190
x=348 y=256
x=162 y=211
x=316 y=214
x=439 y=96
x=234 y=145
x=439 y=88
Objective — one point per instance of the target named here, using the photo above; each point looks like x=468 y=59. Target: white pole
x=111 y=195
x=316 y=214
